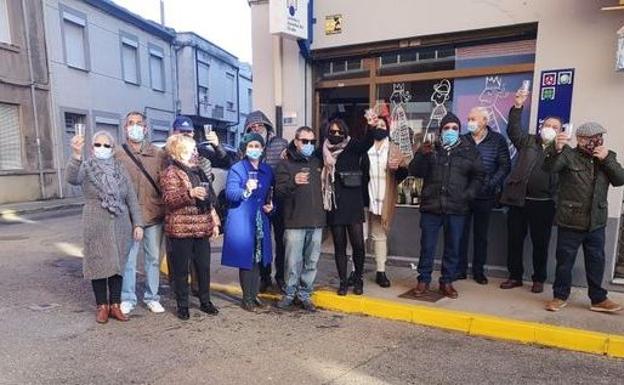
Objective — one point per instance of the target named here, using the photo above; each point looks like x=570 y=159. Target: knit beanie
x=250 y=137
x=450 y=118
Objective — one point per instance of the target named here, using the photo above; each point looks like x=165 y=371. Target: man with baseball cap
x=585 y=173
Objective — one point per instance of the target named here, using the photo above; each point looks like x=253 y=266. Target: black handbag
x=351 y=178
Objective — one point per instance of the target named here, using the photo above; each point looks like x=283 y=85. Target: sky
x=226 y=23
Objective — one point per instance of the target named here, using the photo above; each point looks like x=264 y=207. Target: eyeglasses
x=335 y=132
x=105 y=145
x=307 y=141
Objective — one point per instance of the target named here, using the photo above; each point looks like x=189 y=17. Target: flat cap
x=590 y=129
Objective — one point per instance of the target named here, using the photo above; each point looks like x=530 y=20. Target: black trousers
x=479 y=218
x=107 y=290
x=250 y=282
x=536 y=218
x=197 y=251
x=356 y=237
x=568 y=243
x=277 y=222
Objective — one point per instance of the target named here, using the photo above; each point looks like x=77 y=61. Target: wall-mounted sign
x=289 y=18
x=619 y=64
x=333 y=24
x=555 y=95
x=290 y=119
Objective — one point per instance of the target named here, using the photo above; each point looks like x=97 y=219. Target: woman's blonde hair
x=177 y=143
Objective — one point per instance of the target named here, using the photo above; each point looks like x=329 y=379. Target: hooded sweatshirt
x=274 y=144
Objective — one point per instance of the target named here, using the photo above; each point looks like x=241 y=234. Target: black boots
x=382 y=280
x=358 y=285
x=342 y=290
x=353 y=280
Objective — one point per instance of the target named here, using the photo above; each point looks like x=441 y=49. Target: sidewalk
x=10 y=210
x=515 y=315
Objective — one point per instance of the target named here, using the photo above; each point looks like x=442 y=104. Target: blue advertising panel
x=555 y=96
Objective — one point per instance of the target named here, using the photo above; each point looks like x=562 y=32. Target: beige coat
x=154 y=161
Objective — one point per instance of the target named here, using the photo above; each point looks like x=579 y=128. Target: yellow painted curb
x=470 y=323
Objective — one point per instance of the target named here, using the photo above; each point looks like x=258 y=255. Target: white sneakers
x=126 y=307
x=155 y=307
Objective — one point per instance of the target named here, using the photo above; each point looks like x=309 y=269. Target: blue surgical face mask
x=450 y=137
x=253 y=153
x=102 y=153
x=307 y=149
x=472 y=126
x=136 y=133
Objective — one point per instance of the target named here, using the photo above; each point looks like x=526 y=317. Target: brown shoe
x=447 y=290
x=115 y=312
x=556 y=304
x=606 y=306
x=510 y=284
x=101 y=315
x=421 y=288
x=537 y=288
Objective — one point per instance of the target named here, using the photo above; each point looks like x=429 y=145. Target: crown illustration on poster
x=493 y=82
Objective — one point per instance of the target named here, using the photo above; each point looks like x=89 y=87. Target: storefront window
x=335 y=69
x=346 y=103
x=416 y=61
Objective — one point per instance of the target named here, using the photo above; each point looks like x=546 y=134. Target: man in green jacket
x=584 y=177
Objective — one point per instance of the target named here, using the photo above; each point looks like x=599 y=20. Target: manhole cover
x=429 y=296
x=12 y=238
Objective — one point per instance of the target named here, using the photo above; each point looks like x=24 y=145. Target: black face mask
x=380 y=133
x=335 y=139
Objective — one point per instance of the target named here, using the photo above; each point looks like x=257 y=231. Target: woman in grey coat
x=111 y=218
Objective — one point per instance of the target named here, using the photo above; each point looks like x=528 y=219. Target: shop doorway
x=346 y=103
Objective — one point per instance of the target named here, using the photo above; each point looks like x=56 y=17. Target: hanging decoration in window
x=400 y=131
x=441 y=94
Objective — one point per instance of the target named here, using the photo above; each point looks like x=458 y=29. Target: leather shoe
x=537 y=288
x=115 y=312
x=382 y=279
x=342 y=290
x=183 y=313
x=510 y=284
x=480 y=279
x=101 y=315
x=447 y=290
x=209 y=308
x=358 y=286
x=421 y=288
x=248 y=306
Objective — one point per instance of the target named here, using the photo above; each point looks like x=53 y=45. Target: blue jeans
x=303 y=249
x=568 y=243
x=430 y=227
x=152 y=237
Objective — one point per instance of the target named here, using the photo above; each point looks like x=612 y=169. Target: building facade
x=424 y=58
x=209 y=80
x=104 y=62
x=27 y=169
x=245 y=95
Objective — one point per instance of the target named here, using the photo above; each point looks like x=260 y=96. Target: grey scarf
x=107 y=178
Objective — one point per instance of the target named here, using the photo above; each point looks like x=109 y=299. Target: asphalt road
x=48 y=335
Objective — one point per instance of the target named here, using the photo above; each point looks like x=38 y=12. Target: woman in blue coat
x=247 y=243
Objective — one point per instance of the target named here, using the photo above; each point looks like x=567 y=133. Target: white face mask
x=102 y=153
x=136 y=133
x=548 y=134
x=473 y=126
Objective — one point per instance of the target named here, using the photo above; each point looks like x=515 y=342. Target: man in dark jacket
x=529 y=193
x=496 y=163
x=584 y=177
x=258 y=122
x=453 y=174
x=298 y=185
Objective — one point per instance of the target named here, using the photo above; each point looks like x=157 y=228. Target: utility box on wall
x=619 y=66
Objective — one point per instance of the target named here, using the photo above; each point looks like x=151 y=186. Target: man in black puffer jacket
x=529 y=193
x=453 y=175
x=258 y=122
x=496 y=164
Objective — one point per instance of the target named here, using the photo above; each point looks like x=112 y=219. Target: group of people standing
x=293 y=190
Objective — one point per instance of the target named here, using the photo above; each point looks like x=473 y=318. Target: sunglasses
x=105 y=145
x=335 y=132
x=307 y=141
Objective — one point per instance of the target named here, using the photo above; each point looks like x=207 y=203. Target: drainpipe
x=34 y=101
